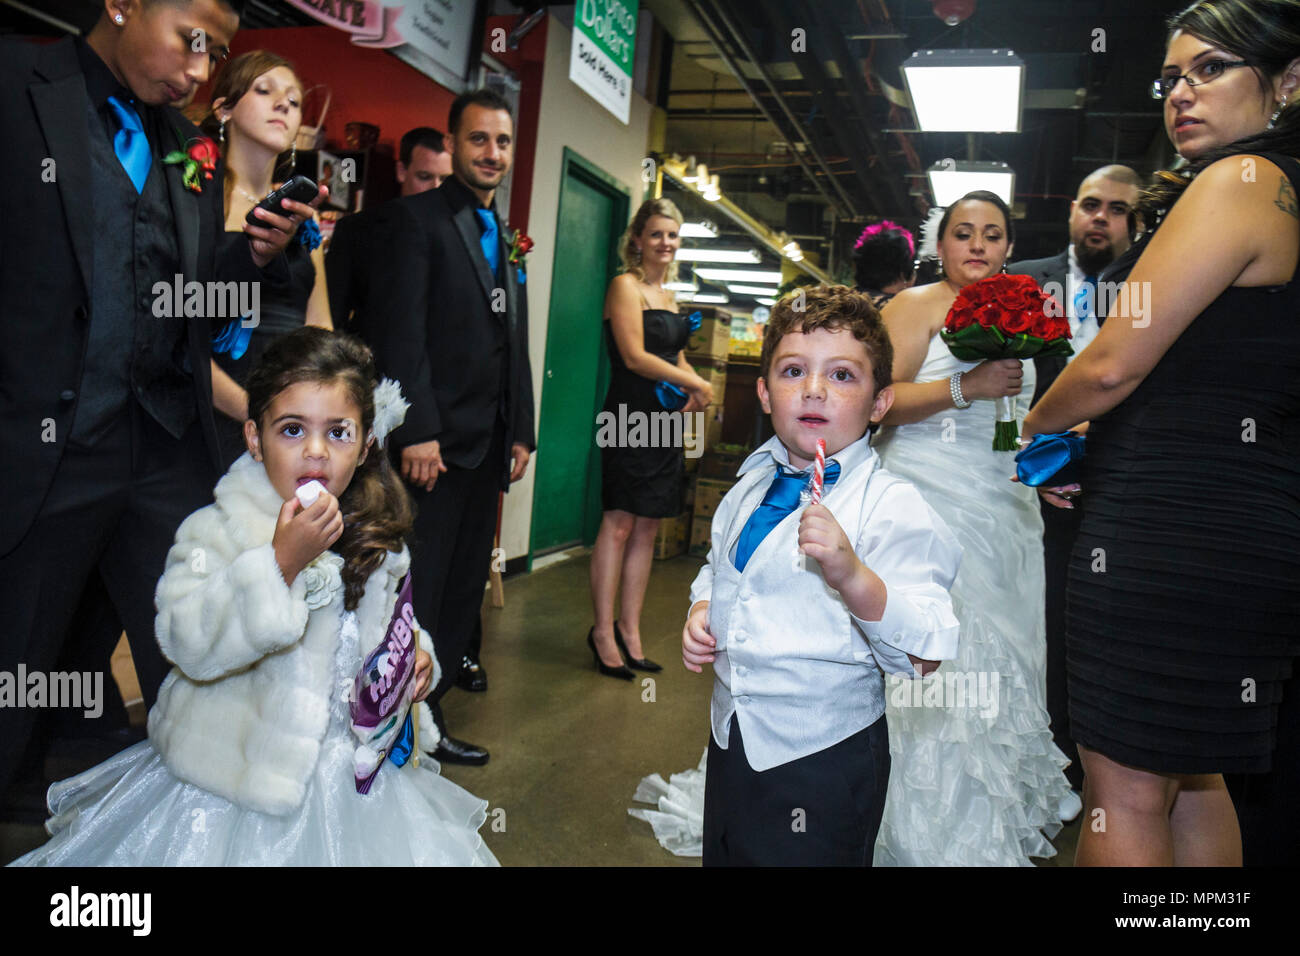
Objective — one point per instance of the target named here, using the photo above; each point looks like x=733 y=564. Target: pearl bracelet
x=954 y=388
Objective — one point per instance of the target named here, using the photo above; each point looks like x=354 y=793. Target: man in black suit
x=108 y=437
x=1102 y=226
x=357 y=246
x=448 y=318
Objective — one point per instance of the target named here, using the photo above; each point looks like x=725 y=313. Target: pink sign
x=371 y=24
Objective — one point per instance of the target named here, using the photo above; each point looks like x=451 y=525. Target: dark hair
x=232 y=83
x=488 y=99
x=979 y=195
x=831 y=307
x=425 y=136
x=883 y=259
x=377 y=511
x=1264 y=33
x=237 y=6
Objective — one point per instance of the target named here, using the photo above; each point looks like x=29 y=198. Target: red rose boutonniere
x=520 y=246
x=197 y=156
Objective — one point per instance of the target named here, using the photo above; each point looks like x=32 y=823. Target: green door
x=566 y=496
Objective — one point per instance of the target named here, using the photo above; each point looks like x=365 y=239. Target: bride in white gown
x=975 y=778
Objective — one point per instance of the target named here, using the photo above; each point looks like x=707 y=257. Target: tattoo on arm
x=1286 y=199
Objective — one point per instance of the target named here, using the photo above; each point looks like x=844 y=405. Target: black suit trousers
x=451 y=556
x=1060 y=528
x=112 y=511
x=820 y=810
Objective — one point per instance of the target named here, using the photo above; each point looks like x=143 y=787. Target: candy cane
x=819 y=471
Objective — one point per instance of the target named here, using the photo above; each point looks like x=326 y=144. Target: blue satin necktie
x=130 y=143
x=491 y=246
x=781 y=499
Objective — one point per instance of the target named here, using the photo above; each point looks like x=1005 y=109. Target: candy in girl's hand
x=309 y=492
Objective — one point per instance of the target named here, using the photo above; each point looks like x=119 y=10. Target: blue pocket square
x=1050 y=460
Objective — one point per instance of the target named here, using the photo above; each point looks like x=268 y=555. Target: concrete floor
x=568 y=745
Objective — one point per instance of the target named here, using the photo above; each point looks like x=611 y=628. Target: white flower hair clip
x=390 y=409
x=930 y=233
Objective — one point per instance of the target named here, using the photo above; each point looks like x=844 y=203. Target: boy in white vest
x=801 y=608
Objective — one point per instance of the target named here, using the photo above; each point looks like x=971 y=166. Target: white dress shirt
x=799 y=670
x=1081 y=331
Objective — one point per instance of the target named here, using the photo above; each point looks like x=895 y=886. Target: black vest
x=129 y=350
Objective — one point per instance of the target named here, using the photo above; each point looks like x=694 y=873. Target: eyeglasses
x=1196 y=76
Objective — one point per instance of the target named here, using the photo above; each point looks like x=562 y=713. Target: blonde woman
x=647 y=337
x=255 y=114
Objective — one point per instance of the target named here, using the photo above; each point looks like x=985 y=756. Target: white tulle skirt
x=975 y=779
x=678 y=817
x=131 y=811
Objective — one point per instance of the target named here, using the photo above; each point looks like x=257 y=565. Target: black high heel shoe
x=619 y=671
x=640 y=663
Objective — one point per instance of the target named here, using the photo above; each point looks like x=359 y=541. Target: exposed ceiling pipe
x=715 y=30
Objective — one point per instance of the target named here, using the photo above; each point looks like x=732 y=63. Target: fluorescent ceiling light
x=709 y=297
x=966 y=91
x=718 y=255
x=738 y=275
x=749 y=289
x=766 y=301
x=681 y=286
x=698 y=230
x=949 y=181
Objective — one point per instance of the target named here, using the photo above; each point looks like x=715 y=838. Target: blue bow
x=309 y=234
x=1050 y=460
x=694 y=319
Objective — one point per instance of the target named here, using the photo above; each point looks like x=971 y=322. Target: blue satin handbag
x=1050 y=460
x=670 y=396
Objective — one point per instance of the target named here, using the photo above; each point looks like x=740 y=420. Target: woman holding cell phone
x=256 y=109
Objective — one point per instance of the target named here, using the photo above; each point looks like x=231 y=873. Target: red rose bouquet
x=1003 y=317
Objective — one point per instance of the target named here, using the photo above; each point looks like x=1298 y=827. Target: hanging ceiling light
x=719 y=255
x=738 y=275
x=949 y=180
x=966 y=91
x=698 y=230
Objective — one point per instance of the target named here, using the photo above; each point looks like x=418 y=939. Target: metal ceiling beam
x=717 y=32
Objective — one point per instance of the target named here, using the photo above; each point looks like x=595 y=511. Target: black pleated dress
x=648 y=482
x=1183 y=622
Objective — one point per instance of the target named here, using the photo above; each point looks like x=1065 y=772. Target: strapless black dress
x=648 y=482
x=1183 y=621
x=284 y=309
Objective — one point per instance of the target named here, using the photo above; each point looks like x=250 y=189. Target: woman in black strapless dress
x=1183 y=620
x=640 y=485
x=255 y=114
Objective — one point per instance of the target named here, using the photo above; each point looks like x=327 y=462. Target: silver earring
x=117 y=18
x=293 y=156
x=1272 y=122
x=223 y=132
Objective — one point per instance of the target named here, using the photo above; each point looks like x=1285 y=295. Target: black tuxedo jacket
x=435 y=317
x=1054 y=269
x=46 y=242
x=356 y=255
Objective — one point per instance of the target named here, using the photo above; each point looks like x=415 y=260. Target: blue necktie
x=491 y=247
x=1085 y=299
x=781 y=499
x=130 y=143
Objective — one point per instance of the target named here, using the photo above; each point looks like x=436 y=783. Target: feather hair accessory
x=390 y=409
x=930 y=233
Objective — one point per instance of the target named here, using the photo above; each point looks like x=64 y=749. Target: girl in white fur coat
x=267 y=609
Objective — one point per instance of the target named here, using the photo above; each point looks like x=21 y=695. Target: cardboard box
x=712 y=370
x=671 y=539
x=723 y=461
x=700 y=541
x=708 y=495
x=710 y=421
x=713 y=337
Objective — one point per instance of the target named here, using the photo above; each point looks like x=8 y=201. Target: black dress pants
x=451 y=556
x=1060 y=527
x=112 y=510
x=819 y=810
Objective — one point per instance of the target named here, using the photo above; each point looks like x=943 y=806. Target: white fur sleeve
x=426 y=645
x=221 y=610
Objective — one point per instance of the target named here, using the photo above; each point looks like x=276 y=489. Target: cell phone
x=299 y=189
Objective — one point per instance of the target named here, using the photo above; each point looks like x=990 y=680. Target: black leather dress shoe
x=472 y=676
x=638 y=663
x=451 y=750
